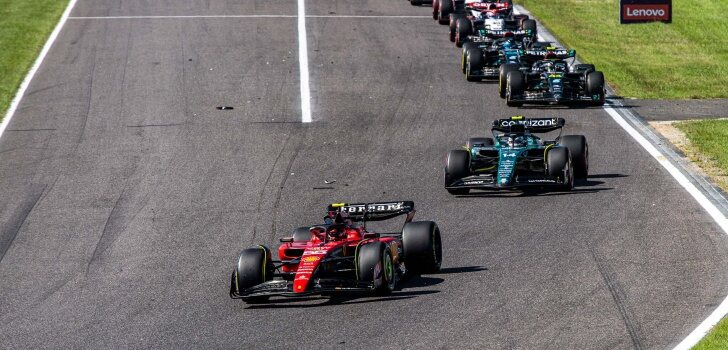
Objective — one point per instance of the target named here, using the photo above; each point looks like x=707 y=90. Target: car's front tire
x=253 y=268
x=374 y=264
x=456 y=168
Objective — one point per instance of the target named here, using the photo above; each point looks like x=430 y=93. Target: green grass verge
x=24 y=27
x=717 y=338
x=708 y=147
x=685 y=59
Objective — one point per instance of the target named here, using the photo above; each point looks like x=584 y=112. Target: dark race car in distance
x=517 y=158
x=483 y=60
x=340 y=256
x=553 y=81
x=493 y=23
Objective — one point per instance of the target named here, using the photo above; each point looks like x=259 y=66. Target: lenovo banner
x=638 y=11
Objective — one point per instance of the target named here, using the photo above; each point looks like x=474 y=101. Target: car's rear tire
x=416 y=2
x=452 y=25
x=474 y=63
x=583 y=68
x=579 y=150
x=302 y=234
x=529 y=24
x=464 y=60
x=558 y=164
x=503 y=75
x=515 y=85
x=456 y=168
x=595 y=87
x=479 y=142
x=253 y=268
x=446 y=8
x=422 y=247
x=463 y=28
x=374 y=264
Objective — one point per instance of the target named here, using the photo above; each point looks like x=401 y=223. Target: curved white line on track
x=722 y=310
x=303 y=64
x=41 y=56
x=704 y=327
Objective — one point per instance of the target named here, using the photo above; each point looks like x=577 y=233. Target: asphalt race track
x=125 y=195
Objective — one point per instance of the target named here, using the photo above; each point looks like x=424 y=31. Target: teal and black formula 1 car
x=517 y=158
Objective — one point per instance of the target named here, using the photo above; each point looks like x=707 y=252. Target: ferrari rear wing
x=375 y=211
x=521 y=124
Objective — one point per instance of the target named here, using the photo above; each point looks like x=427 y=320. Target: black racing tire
x=502 y=75
x=253 y=268
x=435 y=8
x=595 y=87
x=452 y=22
x=530 y=24
x=302 y=234
x=474 y=62
x=416 y=2
x=456 y=168
x=583 y=68
x=579 y=150
x=446 y=8
x=422 y=247
x=463 y=28
x=479 y=142
x=515 y=85
x=464 y=60
x=558 y=164
x=374 y=264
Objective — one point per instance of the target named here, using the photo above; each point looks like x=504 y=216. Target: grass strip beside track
x=685 y=59
x=708 y=148
x=716 y=339
x=24 y=27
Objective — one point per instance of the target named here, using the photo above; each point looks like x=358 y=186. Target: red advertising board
x=636 y=11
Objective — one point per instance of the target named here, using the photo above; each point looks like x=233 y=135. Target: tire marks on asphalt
x=620 y=299
x=22 y=211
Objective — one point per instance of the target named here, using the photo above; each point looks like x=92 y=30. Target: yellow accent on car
x=517 y=117
x=338 y=205
x=545 y=152
x=485 y=169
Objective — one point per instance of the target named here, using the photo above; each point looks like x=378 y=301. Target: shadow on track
x=345 y=299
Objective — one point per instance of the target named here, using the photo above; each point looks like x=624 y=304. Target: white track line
x=248 y=16
x=303 y=64
x=28 y=77
x=722 y=310
x=705 y=326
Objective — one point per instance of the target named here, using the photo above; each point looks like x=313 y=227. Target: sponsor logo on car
x=311 y=258
x=378 y=207
x=530 y=122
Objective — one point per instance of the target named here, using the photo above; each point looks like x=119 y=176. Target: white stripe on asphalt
x=303 y=64
x=28 y=77
x=705 y=326
x=722 y=310
x=247 y=16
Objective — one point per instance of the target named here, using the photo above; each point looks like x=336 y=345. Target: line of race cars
x=341 y=255
x=498 y=43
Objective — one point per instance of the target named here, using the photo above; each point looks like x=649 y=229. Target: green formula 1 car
x=517 y=158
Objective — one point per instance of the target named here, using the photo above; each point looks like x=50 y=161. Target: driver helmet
x=516 y=141
x=560 y=66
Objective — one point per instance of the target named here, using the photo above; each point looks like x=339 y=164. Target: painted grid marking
x=303 y=64
x=247 y=16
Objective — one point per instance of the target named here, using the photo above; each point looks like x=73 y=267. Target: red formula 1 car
x=340 y=255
